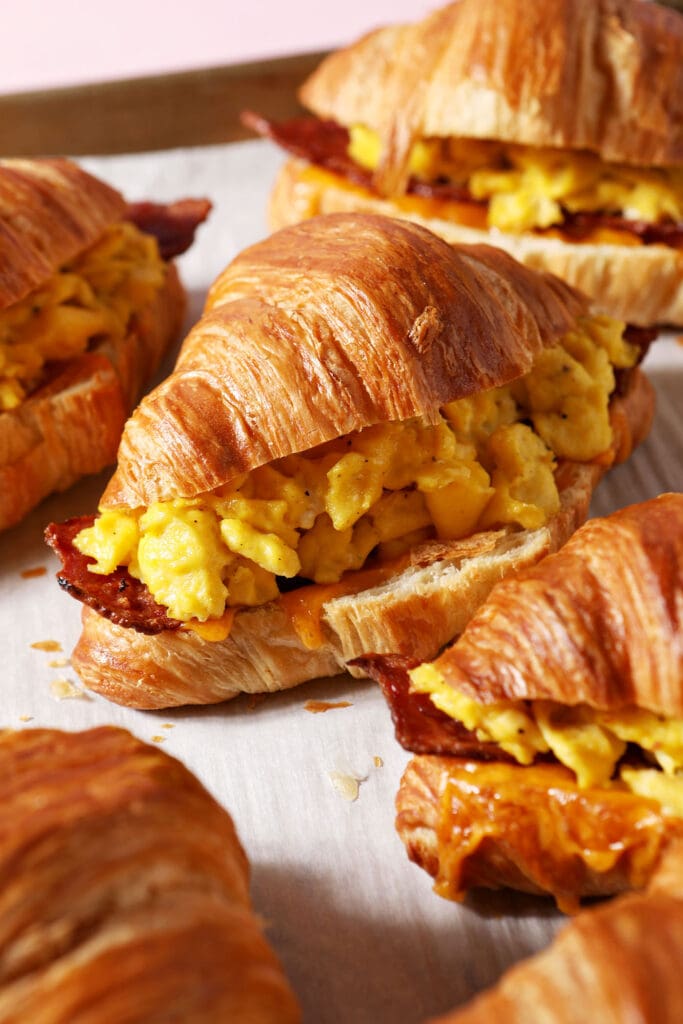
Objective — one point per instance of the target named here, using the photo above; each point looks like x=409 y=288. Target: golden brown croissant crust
x=50 y=210
x=619 y=579
x=621 y=962
x=123 y=891
x=307 y=337
x=603 y=75
x=532 y=829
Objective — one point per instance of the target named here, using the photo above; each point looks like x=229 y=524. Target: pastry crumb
x=348 y=786
x=58 y=663
x=47 y=645
x=31 y=574
x=377 y=761
x=168 y=725
x=25 y=718
x=158 y=739
x=316 y=707
x=64 y=689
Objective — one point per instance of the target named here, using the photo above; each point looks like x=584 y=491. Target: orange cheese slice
x=214 y=630
x=305 y=606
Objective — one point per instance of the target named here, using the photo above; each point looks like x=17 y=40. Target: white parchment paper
x=359 y=931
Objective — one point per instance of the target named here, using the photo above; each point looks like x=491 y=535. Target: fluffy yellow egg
x=666 y=790
x=181 y=558
x=588 y=741
x=523 y=481
x=530 y=187
x=112 y=540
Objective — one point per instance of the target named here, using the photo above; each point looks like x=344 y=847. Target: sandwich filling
x=481 y=462
x=527 y=188
x=535 y=829
x=589 y=741
x=571 y=195
x=91 y=298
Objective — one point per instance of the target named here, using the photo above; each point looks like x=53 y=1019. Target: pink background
x=49 y=43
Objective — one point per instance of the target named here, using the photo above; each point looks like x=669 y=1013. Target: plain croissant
x=123 y=891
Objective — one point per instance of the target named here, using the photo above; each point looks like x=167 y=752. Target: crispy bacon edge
x=118 y=596
x=419 y=726
x=173 y=224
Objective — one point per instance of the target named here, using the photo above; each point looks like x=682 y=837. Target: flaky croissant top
x=325 y=328
x=50 y=210
x=600 y=622
x=603 y=75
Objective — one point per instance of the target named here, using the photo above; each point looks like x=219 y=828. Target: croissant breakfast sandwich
x=366 y=430
x=550 y=733
x=124 y=891
x=552 y=130
x=621 y=962
x=89 y=303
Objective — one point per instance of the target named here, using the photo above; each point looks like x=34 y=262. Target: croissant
x=88 y=307
x=555 y=129
x=339 y=462
x=124 y=891
x=577 y=660
x=618 y=963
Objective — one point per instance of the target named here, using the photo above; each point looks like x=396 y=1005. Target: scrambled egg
x=530 y=187
x=321 y=513
x=91 y=297
x=588 y=741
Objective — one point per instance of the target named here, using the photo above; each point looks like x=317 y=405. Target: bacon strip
x=325 y=143
x=578 y=225
x=420 y=726
x=640 y=336
x=172 y=224
x=118 y=596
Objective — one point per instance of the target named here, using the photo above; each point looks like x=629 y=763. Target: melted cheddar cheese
x=532 y=187
x=499 y=822
x=488 y=461
x=586 y=740
x=92 y=297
